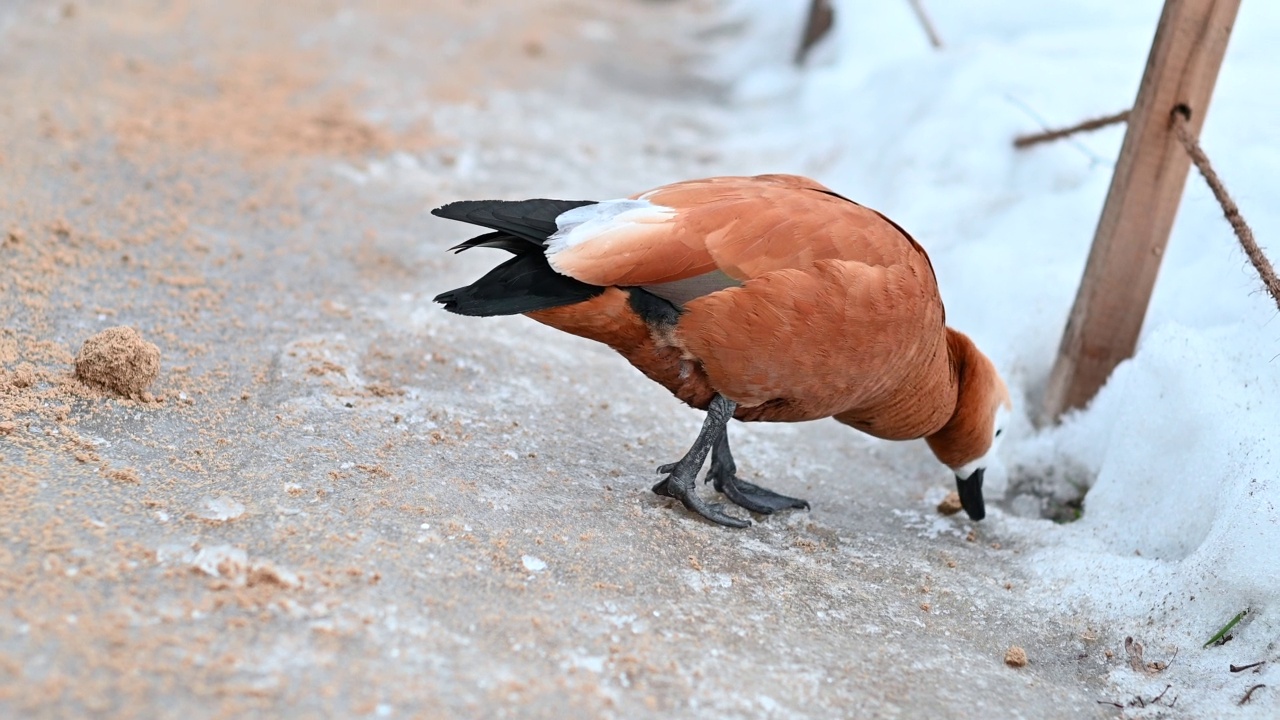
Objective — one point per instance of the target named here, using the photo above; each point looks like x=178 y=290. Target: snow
x=1180 y=527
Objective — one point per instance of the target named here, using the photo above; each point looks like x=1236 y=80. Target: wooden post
x=1146 y=188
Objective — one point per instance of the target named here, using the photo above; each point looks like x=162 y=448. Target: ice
x=227 y=562
x=221 y=508
x=220 y=560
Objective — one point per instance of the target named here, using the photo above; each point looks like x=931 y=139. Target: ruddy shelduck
x=769 y=298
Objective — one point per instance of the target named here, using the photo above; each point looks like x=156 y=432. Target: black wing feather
x=499 y=240
x=526 y=282
x=522 y=284
x=533 y=220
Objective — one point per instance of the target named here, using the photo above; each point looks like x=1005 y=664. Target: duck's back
x=795 y=302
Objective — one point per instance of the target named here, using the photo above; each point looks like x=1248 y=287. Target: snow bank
x=1181 y=529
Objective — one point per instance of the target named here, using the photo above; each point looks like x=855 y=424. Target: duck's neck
x=921 y=401
x=968 y=428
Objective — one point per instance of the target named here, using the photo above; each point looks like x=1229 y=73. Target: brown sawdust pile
x=950 y=504
x=119 y=359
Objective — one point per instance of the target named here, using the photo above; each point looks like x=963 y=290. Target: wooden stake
x=1137 y=218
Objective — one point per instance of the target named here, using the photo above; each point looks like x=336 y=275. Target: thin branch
x=923 y=17
x=1023 y=141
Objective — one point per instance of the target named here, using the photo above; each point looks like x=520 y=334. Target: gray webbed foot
x=723 y=475
x=682 y=475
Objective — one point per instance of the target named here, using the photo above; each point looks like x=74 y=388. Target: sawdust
x=124 y=475
x=950 y=504
x=256 y=106
x=1015 y=657
x=119 y=359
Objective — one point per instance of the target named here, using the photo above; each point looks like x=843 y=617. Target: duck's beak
x=970 y=491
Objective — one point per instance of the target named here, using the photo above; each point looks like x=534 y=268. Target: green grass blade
x=1227 y=628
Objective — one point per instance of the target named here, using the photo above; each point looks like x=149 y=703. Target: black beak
x=971 y=495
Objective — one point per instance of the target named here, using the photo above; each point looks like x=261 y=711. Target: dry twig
x=821 y=18
x=923 y=17
x=1023 y=141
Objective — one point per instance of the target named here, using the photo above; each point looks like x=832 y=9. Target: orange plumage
x=768 y=298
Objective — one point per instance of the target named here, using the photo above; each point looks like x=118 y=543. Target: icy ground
x=345 y=502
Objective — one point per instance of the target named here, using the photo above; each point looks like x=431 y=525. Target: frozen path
x=345 y=501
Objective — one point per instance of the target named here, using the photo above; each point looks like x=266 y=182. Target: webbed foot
x=723 y=475
x=682 y=475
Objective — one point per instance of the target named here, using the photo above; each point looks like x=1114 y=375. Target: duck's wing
x=699 y=236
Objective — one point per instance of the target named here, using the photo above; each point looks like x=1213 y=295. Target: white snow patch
x=929 y=525
x=221 y=509
x=591 y=663
x=533 y=564
x=705 y=581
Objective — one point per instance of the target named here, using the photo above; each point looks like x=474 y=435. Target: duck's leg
x=681 y=481
x=724 y=475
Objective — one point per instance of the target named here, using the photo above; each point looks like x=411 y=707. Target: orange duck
x=766 y=299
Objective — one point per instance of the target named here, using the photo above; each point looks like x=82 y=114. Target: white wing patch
x=589 y=222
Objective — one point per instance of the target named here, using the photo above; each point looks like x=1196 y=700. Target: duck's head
x=968 y=442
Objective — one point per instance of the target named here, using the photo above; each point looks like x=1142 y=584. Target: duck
x=766 y=298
